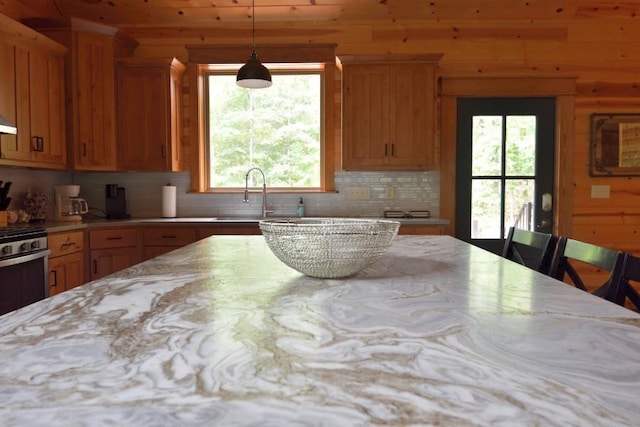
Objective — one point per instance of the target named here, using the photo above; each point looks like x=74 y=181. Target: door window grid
x=503 y=169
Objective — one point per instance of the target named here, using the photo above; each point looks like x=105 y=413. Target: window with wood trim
x=286 y=130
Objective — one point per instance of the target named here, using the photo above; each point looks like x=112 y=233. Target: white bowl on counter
x=328 y=248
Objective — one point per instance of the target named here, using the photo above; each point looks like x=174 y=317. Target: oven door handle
x=24 y=258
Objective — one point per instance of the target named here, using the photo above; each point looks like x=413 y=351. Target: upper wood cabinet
x=389 y=112
x=32 y=97
x=149 y=94
x=90 y=88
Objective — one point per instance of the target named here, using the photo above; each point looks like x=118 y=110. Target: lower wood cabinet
x=229 y=229
x=158 y=240
x=66 y=261
x=112 y=249
x=416 y=229
x=115 y=248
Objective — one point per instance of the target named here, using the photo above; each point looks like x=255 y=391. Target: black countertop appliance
x=116 y=202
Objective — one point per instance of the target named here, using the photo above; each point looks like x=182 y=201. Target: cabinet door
x=143 y=117
x=365 y=116
x=66 y=272
x=18 y=147
x=46 y=102
x=149 y=114
x=411 y=115
x=107 y=261
x=94 y=102
x=9 y=144
x=38 y=97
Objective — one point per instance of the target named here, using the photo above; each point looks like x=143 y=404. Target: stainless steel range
x=24 y=276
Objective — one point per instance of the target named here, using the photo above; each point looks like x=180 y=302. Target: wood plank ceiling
x=201 y=13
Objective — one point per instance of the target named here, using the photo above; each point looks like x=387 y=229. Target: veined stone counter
x=437 y=332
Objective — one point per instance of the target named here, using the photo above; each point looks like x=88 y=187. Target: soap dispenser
x=301 y=208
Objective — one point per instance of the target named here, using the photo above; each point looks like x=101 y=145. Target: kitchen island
x=219 y=332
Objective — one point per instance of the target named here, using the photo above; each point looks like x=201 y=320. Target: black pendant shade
x=253 y=75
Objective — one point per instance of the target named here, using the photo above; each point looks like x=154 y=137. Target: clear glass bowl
x=328 y=248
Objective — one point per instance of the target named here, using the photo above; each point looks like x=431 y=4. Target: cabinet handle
x=162 y=151
x=95 y=266
x=36 y=143
x=84 y=149
x=385 y=150
x=54 y=283
x=169 y=236
x=393 y=146
x=67 y=244
x=41 y=143
x=114 y=238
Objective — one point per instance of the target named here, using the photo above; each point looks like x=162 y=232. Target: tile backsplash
x=364 y=194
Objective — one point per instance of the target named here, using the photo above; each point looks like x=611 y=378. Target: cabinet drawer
x=421 y=229
x=229 y=229
x=168 y=236
x=113 y=238
x=65 y=243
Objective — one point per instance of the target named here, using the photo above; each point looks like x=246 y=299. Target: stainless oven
x=24 y=276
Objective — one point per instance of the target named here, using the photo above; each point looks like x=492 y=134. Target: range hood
x=6 y=127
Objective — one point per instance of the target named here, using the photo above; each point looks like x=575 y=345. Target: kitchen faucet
x=265 y=211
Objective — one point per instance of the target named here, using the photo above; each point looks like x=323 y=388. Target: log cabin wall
x=594 y=42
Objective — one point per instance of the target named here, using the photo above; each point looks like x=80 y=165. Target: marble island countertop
x=437 y=332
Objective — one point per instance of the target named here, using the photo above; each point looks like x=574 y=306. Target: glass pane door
x=504 y=167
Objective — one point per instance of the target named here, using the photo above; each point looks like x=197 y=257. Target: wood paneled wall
x=602 y=54
x=594 y=42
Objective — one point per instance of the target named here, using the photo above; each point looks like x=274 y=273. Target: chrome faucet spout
x=265 y=210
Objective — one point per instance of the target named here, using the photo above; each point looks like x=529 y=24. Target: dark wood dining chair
x=530 y=248
x=621 y=289
x=569 y=251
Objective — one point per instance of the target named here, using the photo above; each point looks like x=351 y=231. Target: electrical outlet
x=600 y=191
x=359 y=193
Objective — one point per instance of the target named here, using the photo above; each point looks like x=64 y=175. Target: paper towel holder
x=169 y=208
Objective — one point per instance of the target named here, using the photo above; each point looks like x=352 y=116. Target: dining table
x=436 y=332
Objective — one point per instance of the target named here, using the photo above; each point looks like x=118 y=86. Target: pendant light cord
x=253 y=23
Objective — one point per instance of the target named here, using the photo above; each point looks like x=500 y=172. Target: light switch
x=599 y=191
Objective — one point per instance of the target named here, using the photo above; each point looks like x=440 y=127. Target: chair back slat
x=570 y=250
x=621 y=288
x=530 y=248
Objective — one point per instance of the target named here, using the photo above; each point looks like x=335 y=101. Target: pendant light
x=253 y=75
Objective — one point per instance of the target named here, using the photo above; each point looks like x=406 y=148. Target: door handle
x=547 y=202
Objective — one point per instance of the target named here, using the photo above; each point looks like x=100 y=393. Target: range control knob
x=24 y=247
x=7 y=250
x=35 y=244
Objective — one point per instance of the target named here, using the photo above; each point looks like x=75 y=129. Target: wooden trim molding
x=562 y=89
x=391 y=58
x=197 y=164
x=196 y=129
x=508 y=87
x=238 y=54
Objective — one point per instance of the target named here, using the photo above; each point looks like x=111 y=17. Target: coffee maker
x=115 y=202
x=68 y=206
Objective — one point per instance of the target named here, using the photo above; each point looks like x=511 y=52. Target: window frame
x=275 y=69
x=201 y=58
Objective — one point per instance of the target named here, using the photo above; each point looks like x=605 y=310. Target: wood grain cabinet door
x=388 y=116
x=94 y=102
x=66 y=272
x=149 y=124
